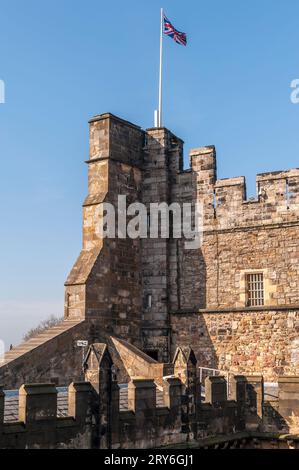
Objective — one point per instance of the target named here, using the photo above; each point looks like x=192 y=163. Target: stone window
x=255 y=290
x=262 y=293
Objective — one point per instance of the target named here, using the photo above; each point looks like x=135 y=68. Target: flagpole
x=161 y=72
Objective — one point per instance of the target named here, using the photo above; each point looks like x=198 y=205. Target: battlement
x=156 y=292
x=227 y=182
x=142 y=423
x=38 y=421
x=182 y=415
x=104 y=414
x=116 y=139
x=225 y=201
x=278 y=174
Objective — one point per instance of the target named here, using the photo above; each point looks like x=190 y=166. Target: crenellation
x=229 y=196
x=142 y=395
x=224 y=201
x=238 y=389
x=147 y=416
x=215 y=390
x=115 y=139
x=273 y=175
x=37 y=403
x=79 y=397
x=172 y=391
x=40 y=427
x=159 y=295
x=203 y=163
x=99 y=141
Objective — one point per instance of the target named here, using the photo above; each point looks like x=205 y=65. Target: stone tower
x=123 y=285
x=104 y=286
x=234 y=299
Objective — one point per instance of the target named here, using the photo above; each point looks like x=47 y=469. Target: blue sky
x=65 y=61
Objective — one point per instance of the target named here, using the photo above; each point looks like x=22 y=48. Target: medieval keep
x=235 y=300
x=232 y=304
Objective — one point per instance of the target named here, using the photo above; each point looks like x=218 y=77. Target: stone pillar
x=216 y=390
x=254 y=402
x=203 y=164
x=114 y=426
x=105 y=401
x=142 y=401
x=255 y=393
x=161 y=164
x=142 y=396
x=238 y=389
x=288 y=406
x=37 y=404
x=185 y=368
x=98 y=370
x=79 y=400
x=172 y=392
x=104 y=284
x=238 y=394
x=98 y=366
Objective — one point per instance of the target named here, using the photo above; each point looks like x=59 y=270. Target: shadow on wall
x=273 y=419
x=185 y=329
x=109 y=268
x=189 y=329
x=192 y=279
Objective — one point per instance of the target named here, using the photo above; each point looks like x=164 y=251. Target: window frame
x=255 y=289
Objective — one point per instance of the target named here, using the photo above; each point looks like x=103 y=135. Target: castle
x=235 y=300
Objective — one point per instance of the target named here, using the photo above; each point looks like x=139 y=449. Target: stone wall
x=228 y=255
x=54 y=359
x=198 y=297
x=39 y=427
x=243 y=342
x=240 y=237
x=105 y=282
x=94 y=419
x=162 y=162
x=94 y=416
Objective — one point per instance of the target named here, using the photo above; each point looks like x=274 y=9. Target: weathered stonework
x=198 y=297
x=264 y=342
x=97 y=414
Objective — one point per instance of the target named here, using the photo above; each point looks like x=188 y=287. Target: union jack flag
x=177 y=36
